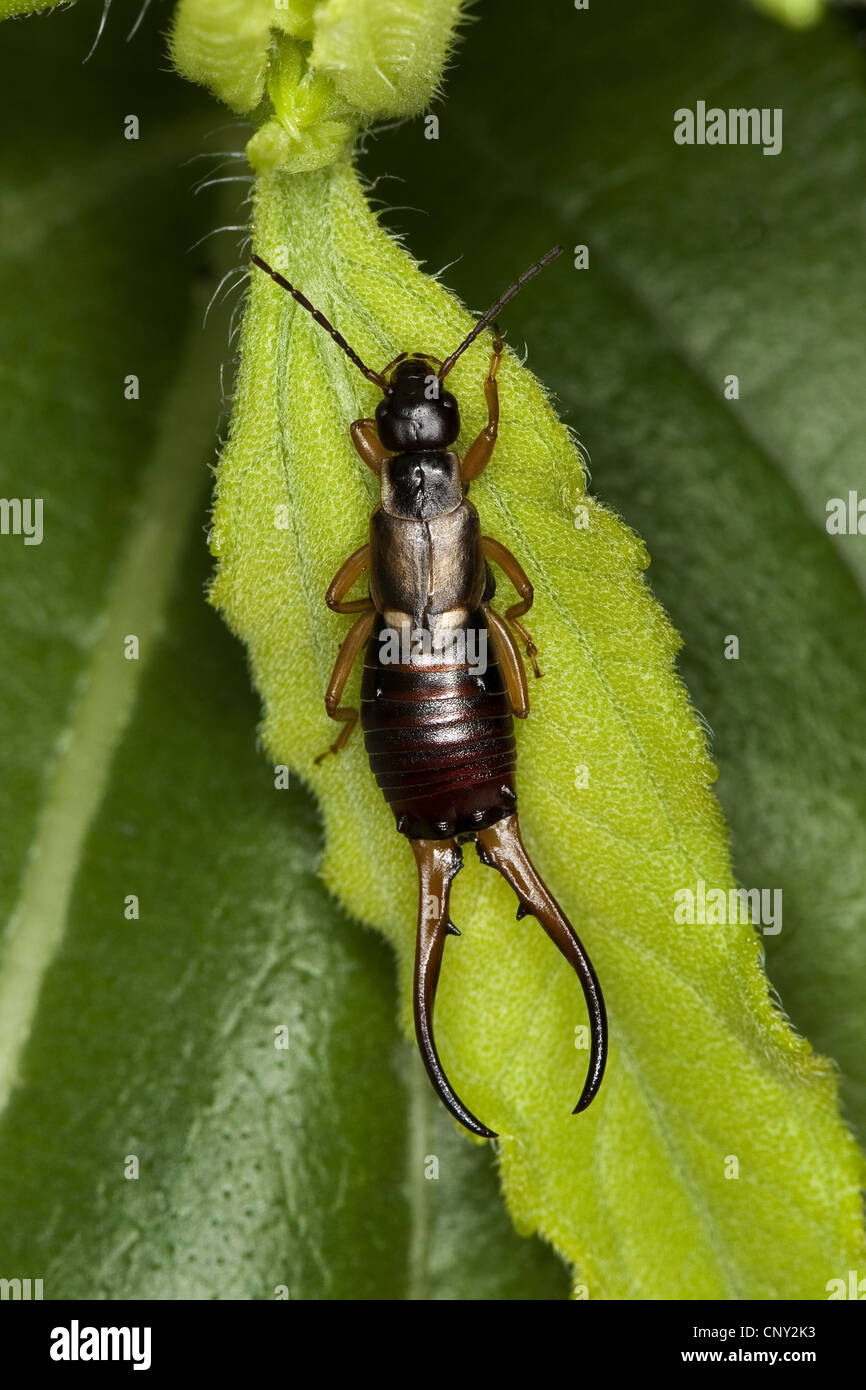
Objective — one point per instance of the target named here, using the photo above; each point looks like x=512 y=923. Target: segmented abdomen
x=440 y=741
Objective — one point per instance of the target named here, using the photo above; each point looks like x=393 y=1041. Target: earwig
x=438 y=723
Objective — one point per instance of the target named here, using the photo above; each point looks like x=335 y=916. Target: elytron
x=438 y=727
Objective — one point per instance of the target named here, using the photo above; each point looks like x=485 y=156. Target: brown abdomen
x=440 y=741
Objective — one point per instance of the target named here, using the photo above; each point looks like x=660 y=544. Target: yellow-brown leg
x=478 y=454
x=346 y=715
x=365 y=438
x=511 y=662
x=350 y=571
x=496 y=551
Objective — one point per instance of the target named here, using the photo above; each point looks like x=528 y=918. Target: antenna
x=495 y=308
x=338 y=338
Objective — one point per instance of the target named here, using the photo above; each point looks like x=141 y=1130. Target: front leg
x=478 y=454
x=365 y=438
x=503 y=557
x=348 y=573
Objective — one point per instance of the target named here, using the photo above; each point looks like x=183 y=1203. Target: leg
x=478 y=454
x=503 y=557
x=346 y=575
x=438 y=862
x=345 y=714
x=512 y=664
x=365 y=438
x=501 y=847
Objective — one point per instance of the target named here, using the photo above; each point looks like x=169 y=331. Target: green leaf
x=145 y=1037
x=292 y=503
x=224 y=46
x=383 y=57
x=154 y=1036
x=799 y=14
x=702 y=263
x=11 y=8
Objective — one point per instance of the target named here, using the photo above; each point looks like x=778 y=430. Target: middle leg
x=513 y=569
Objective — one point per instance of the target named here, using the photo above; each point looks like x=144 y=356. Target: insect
x=443 y=673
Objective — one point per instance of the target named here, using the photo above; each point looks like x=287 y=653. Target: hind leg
x=345 y=714
x=511 y=663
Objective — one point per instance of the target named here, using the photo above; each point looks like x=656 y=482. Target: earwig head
x=416 y=412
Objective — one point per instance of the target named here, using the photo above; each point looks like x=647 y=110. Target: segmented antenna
x=495 y=308
x=338 y=338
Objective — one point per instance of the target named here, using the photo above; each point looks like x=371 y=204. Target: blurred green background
x=154 y=1037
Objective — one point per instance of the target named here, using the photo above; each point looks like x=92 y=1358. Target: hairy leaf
x=224 y=45
x=260 y=1169
x=703 y=1067
x=692 y=264
x=10 y=8
x=383 y=57
x=707 y=262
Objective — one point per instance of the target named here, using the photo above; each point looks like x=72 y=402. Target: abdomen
x=440 y=738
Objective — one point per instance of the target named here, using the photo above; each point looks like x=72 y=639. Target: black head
x=416 y=412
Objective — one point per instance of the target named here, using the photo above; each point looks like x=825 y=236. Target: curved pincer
x=438 y=862
x=501 y=847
